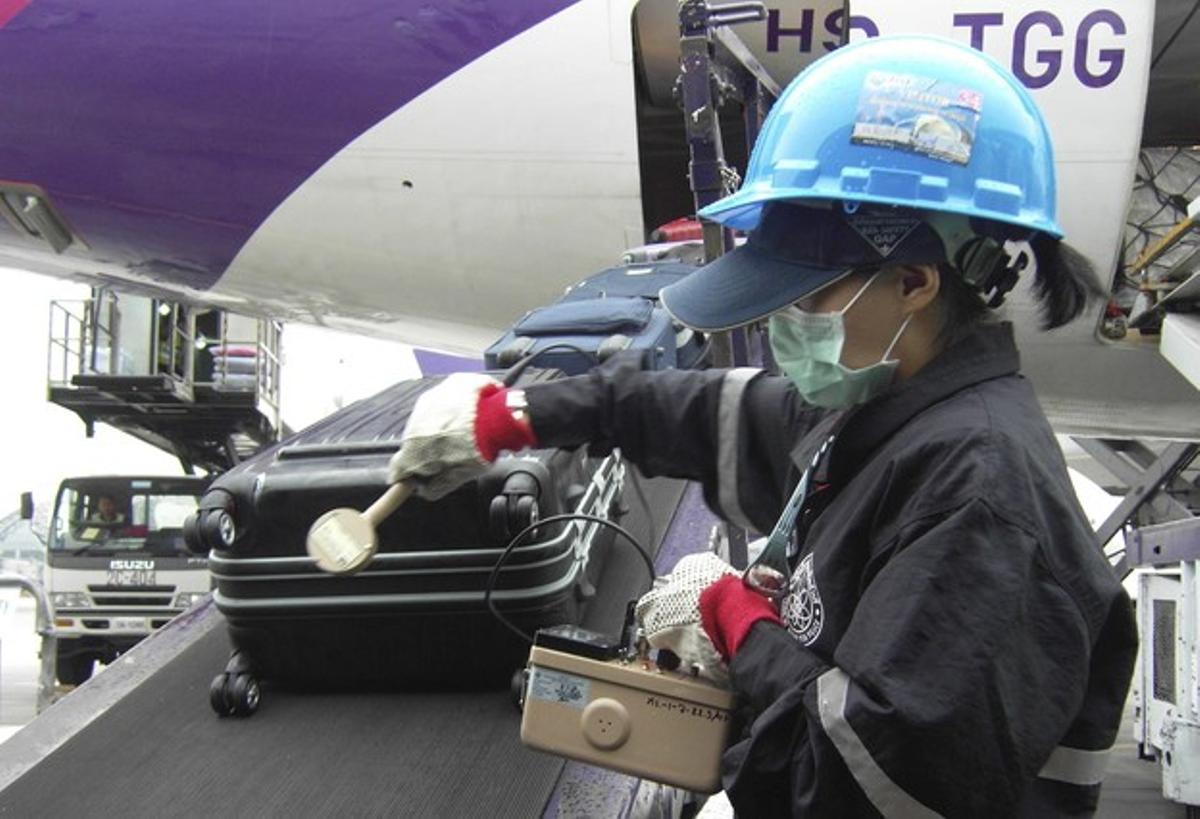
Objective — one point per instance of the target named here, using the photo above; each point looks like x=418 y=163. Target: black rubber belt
x=160 y=751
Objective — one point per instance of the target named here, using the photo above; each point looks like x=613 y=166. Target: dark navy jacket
x=955 y=642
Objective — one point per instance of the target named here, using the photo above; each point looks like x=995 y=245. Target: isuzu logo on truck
x=132 y=573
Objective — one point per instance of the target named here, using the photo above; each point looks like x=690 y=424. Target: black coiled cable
x=516 y=541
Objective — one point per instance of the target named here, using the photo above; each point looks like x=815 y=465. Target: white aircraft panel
x=1181 y=346
x=485 y=196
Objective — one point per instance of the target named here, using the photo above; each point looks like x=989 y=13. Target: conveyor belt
x=159 y=750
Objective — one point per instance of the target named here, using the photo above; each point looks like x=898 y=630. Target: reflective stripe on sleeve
x=887 y=797
x=1075 y=766
x=728 y=412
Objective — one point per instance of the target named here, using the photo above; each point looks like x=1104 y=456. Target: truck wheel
x=74 y=669
x=244 y=695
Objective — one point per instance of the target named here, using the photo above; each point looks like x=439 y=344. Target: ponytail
x=1065 y=281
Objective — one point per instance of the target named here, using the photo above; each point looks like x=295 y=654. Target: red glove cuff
x=495 y=426
x=728 y=610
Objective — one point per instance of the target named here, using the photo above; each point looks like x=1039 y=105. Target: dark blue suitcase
x=645 y=280
x=574 y=336
x=616 y=309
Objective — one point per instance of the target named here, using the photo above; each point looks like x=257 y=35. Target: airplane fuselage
x=430 y=171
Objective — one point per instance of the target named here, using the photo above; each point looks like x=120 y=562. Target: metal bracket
x=705 y=80
x=1166 y=543
x=1156 y=476
x=709 y=77
x=745 y=58
x=1127 y=461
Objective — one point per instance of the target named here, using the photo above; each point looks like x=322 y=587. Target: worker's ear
x=917 y=286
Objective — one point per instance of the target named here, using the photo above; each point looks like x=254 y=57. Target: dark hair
x=961 y=305
x=1064 y=283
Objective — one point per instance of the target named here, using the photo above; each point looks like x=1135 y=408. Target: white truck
x=116 y=565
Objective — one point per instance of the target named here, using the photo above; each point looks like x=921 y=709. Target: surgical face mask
x=808 y=348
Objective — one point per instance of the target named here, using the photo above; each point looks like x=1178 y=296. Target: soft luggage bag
x=415 y=615
x=610 y=291
x=645 y=280
x=574 y=336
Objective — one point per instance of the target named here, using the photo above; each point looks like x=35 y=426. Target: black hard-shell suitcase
x=615 y=310
x=415 y=615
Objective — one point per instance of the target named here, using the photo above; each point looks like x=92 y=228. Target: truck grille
x=122 y=600
x=94 y=588
x=132 y=596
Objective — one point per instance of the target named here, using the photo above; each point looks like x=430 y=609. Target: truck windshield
x=113 y=517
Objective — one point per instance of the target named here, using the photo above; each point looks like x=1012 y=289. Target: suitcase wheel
x=520 y=679
x=234 y=695
x=524 y=513
x=498 y=519
x=216 y=696
x=509 y=514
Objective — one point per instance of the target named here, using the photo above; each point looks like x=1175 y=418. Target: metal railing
x=79 y=339
x=83 y=342
x=174 y=350
x=67 y=355
x=263 y=378
x=269 y=335
x=45 y=628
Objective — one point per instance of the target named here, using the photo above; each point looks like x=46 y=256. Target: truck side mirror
x=26 y=506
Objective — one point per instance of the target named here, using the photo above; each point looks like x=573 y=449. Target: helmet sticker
x=917 y=114
x=884 y=232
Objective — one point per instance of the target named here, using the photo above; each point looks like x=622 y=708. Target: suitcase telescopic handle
x=388 y=503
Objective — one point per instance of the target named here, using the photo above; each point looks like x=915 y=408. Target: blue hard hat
x=915 y=121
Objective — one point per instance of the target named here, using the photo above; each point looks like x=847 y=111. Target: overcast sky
x=41 y=443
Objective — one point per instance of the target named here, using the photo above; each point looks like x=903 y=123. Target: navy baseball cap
x=794 y=252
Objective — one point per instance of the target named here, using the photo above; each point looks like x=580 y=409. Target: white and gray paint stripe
x=888 y=798
x=1071 y=765
x=733 y=386
x=1075 y=766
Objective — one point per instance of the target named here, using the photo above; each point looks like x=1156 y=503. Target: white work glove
x=438 y=452
x=669 y=614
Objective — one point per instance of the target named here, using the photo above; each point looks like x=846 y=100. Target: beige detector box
x=627 y=716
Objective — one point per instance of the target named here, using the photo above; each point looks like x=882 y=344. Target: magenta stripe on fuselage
x=167 y=130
